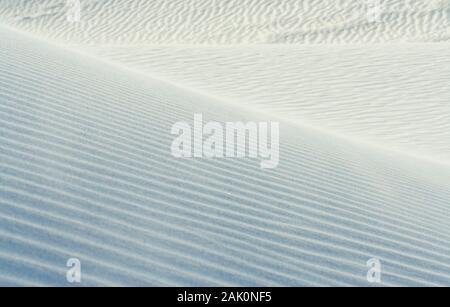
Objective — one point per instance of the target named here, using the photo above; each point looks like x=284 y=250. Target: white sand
x=86 y=170
x=232 y=21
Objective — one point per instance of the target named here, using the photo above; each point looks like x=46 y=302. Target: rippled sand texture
x=86 y=172
x=232 y=21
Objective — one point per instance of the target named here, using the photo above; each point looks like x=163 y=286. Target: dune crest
x=85 y=172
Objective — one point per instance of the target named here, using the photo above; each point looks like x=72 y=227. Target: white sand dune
x=232 y=21
x=393 y=95
x=86 y=111
x=85 y=172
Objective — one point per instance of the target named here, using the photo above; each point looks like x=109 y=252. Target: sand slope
x=85 y=172
x=85 y=164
